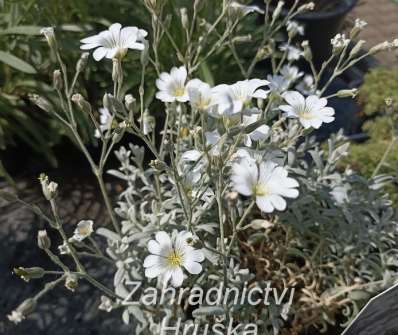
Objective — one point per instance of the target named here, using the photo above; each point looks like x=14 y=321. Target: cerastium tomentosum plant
x=239 y=208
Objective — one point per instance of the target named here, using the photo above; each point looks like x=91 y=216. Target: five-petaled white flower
x=169 y=255
x=291 y=73
x=232 y=99
x=293 y=53
x=267 y=182
x=200 y=95
x=311 y=111
x=172 y=86
x=115 y=41
x=83 y=230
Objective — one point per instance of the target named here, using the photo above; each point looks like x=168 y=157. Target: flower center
x=260 y=190
x=174 y=259
x=179 y=91
x=304 y=113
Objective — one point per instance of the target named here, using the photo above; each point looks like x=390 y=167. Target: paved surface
x=382 y=17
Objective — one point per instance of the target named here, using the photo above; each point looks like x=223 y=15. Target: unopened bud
x=71 y=282
x=347 y=93
x=277 y=11
x=82 y=103
x=43 y=241
x=358 y=27
x=242 y=39
x=145 y=54
x=82 y=62
x=380 y=47
x=49 y=188
x=40 y=102
x=306 y=7
x=29 y=273
x=232 y=198
x=130 y=102
x=357 y=48
x=184 y=18
x=57 y=80
x=307 y=52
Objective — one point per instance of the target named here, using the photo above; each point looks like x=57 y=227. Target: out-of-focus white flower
x=278 y=84
x=105 y=122
x=339 y=42
x=16 y=317
x=64 y=249
x=232 y=99
x=200 y=95
x=114 y=42
x=295 y=28
x=307 y=85
x=267 y=182
x=311 y=111
x=213 y=139
x=258 y=134
x=245 y=9
x=360 y=24
x=172 y=86
x=291 y=73
x=293 y=53
x=106 y=304
x=169 y=255
x=192 y=174
x=83 y=230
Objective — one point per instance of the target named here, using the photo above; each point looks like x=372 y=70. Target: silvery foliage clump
x=237 y=190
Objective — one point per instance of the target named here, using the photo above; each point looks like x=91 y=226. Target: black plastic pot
x=322 y=26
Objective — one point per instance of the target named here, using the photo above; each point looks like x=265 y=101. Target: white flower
x=200 y=95
x=295 y=28
x=105 y=122
x=232 y=99
x=307 y=85
x=106 y=304
x=360 y=24
x=311 y=111
x=293 y=53
x=169 y=255
x=291 y=73
x=340 y=41
x=267 y=182
x=340 y=194
x=259 y=133
x=278 y=84
x=244 y=9
x=64 y=249
x=172 y=86
x=115 y=41
x=83 y=230
x=16 y=317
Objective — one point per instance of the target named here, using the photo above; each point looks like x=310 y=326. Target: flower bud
x=184 y=18
x=277 y=11
x=380 y=47
x=158 y=165
x=29 y=273
x=40 y=102
x=232 y=198
x=357 y=48
x=57 y=80
x=347 y=93
x=307 y=52
x=145 y=54
x=82 y=62
x=242 y=39
x=83 y=104
x=43 y=241
x=49 y=188
x=48 y=33
x=306 y=7
x=71 y=282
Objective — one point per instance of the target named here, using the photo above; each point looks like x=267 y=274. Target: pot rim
x=343 y=8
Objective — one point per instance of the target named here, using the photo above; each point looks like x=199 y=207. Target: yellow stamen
x=179 y=91
x=174 y=259
x=260 y=190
